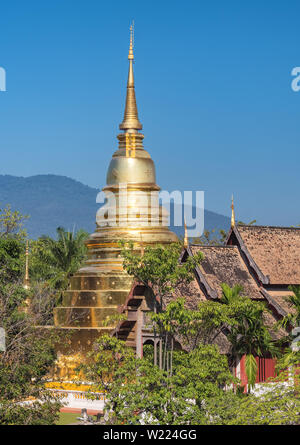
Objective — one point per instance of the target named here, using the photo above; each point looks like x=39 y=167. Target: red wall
x=266 y=369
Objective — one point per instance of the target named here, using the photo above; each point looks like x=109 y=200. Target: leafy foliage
x=56 y=260
x=29 y=353
x=248 y=334
x=199 y=390
x=291 y=356
x=211 y=238
x=251 y=369
x=231 y=294
x=289 y=359
x=276 y=403
x=293 y=318
x=11 y=258
x=138 y=392
x=11 y=223
x=29 y=349
x=192 y=327
x=190 y=385
x=158 y=268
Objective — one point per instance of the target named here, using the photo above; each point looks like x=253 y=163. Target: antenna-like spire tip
x=131 y=44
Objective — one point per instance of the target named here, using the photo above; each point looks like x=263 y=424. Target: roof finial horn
x=232 y=213
x=186 y=238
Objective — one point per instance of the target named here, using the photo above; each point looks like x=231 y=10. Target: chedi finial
x=131 y=43
x=131 y=121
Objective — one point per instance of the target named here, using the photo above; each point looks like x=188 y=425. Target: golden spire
x=26 y=284
x=131 y=119
x=186 y=238
x=232 y=214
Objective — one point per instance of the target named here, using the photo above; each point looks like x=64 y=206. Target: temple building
x=101 y=286
x=263 y=260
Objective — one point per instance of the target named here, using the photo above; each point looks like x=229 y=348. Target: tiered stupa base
x=96 y=292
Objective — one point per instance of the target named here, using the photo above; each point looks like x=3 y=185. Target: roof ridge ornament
x=186 y=238
x=232 y=213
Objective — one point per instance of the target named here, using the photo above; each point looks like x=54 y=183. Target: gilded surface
x=101 y=285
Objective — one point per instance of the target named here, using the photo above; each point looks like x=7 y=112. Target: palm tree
x=230 y=294
x=291 y=356
x=293 y=318
x=64 y=255
x=247 y=334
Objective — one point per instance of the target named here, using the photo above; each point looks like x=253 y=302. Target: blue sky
x=213 y=85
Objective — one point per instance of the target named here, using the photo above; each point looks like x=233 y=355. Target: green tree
x=211 y=238
x=248 y=334
x=29 y=350
x=293 y=318
x=138 y=392
x=11 y=258
x=56 y=260
x=190 y=327
x=160 y=270
x=25 y=361
x=276 y=403
x=158 y=267
x=291 y=356
x=197 y=385
x=11 y=223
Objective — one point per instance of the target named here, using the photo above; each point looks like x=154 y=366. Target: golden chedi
x=130 y=213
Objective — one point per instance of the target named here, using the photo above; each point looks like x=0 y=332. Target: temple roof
x=223 y=264
x=274 y=250
x=279 y=300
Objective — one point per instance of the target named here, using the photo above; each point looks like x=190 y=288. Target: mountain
x=53 y=201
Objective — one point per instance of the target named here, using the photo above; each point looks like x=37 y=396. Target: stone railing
x=79 y=399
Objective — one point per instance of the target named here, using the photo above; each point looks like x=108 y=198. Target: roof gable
x=223 y=264
x=274 y=250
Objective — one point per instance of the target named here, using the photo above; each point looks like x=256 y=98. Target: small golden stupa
x=26 y=283
x=101 y=285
